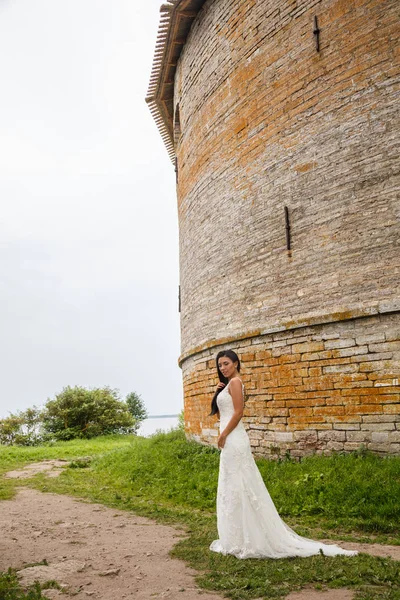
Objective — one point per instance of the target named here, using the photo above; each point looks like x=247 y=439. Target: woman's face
x=227 y=366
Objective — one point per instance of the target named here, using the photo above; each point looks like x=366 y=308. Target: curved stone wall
x=267 y=122
x=320 y=388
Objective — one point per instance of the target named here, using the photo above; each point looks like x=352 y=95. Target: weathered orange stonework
x=259 y=121
x=310 y=390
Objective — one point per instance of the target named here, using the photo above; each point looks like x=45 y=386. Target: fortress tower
x=282 y=118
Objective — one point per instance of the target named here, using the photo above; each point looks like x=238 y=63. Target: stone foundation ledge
x=357 y=311
x=381 y=437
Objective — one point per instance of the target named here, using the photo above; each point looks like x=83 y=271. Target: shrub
x=22 y=428
x=137 y=409
x=81 y=413
x=10 y=428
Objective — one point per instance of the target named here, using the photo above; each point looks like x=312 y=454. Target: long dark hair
x=234 y=358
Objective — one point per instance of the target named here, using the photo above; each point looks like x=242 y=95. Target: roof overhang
x=175 y=22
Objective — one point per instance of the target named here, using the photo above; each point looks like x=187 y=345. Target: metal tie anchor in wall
x=316 y=31
x=287 y=226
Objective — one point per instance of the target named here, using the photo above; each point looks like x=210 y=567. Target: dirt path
x=103 y=553
x=94 y=551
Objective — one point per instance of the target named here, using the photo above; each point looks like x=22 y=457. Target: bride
x=249 y=525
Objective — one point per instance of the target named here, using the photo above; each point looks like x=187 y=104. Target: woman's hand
x=220 y=385
x=221 y=441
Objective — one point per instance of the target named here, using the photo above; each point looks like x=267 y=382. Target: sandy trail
x=104 y=553
x=95 y=551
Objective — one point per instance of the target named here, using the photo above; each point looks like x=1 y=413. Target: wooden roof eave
x=175 y=22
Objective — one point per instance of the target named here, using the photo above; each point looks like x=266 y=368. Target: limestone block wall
x=311 y=389
x=265 y=122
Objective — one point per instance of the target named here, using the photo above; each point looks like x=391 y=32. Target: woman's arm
x=236 y=391
x=220 y=386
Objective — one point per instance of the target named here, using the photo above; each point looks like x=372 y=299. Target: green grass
x=19 y=455
x=351 y=491
x=165 y=477
x=13 y=457
x=11 y=590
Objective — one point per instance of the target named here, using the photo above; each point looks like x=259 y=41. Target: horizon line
x=160 y=416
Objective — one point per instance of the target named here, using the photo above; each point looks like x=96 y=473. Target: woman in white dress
x=249 y=525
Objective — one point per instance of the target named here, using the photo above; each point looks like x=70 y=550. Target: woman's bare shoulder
x=236 y=381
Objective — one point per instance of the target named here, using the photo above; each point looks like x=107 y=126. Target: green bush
x=22 y=428
x=137 y=409
x=10 y=429
x=81 y=413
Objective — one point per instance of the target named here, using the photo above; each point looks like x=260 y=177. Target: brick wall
x=268 y=122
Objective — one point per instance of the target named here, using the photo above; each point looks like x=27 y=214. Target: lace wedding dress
x=249 y=525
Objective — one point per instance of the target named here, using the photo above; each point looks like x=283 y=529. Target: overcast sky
x=88 y=220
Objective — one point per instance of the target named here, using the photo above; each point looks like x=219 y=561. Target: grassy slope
x=12 y=457
x=168 y=478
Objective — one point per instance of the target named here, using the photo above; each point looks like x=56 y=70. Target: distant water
x=153 y=424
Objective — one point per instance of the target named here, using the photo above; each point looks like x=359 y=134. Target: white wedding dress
x=249 y=525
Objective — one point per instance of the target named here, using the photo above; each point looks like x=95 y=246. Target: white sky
x=88 y=221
